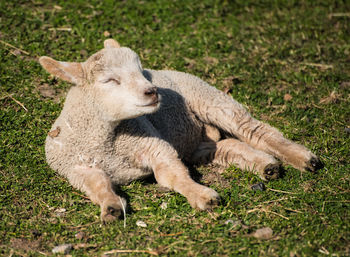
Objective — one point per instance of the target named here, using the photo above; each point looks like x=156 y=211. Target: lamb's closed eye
x=114 y=80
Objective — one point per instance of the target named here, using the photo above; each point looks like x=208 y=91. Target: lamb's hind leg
x=233 y=151
x=98 y=187
x=263 y=137
x=214 y=107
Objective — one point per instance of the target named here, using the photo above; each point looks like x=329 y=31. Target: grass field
x=288 y=62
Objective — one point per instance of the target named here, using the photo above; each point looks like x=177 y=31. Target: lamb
x=122 y=122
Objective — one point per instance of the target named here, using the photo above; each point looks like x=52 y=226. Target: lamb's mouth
x=153 y=104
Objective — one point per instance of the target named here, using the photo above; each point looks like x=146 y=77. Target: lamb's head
x=112 y=78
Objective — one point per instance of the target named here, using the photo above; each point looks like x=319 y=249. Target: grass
x=287 y=61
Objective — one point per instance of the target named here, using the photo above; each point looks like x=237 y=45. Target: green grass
x=263 y=50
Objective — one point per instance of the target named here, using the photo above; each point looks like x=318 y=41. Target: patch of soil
x=25 y=244
x=47 y=91
x=213 y=175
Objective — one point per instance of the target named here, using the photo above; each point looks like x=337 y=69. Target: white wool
x=114 y=129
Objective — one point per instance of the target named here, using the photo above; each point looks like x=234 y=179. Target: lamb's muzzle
x=153 y=95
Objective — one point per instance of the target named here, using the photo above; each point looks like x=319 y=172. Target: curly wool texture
x=86 y=138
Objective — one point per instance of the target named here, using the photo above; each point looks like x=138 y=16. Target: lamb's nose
x=151 y=91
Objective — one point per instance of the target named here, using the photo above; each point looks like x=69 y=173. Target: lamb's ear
x=109 y=43
x=68 y=71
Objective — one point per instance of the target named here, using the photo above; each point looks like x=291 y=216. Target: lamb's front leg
x=98 y=187
x=170 y=172
x=174 y=175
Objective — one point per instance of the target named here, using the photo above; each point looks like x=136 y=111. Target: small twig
x=323 y=250
x=18 y=102
x=267 y=211
x=253 y=210
x=208 y=241
x=61 y=29
x=176 y=243
x=275 y=213
x=315 y=105
x=292 y=210
x=83 y=245
x=319 y=65
x=278 y=200
x=132 y=251
x=346 y=14
x=9 y=45
x=281 y=191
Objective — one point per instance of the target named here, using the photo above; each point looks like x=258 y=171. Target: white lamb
x=122 y=122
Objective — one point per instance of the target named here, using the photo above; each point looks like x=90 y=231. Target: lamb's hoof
x=205 y=199
x=271 y=171
x=111 y=214
x=314 y=164
x=111 y=210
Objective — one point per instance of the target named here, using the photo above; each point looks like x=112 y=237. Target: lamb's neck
x=85 y=117
x=104 y=129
